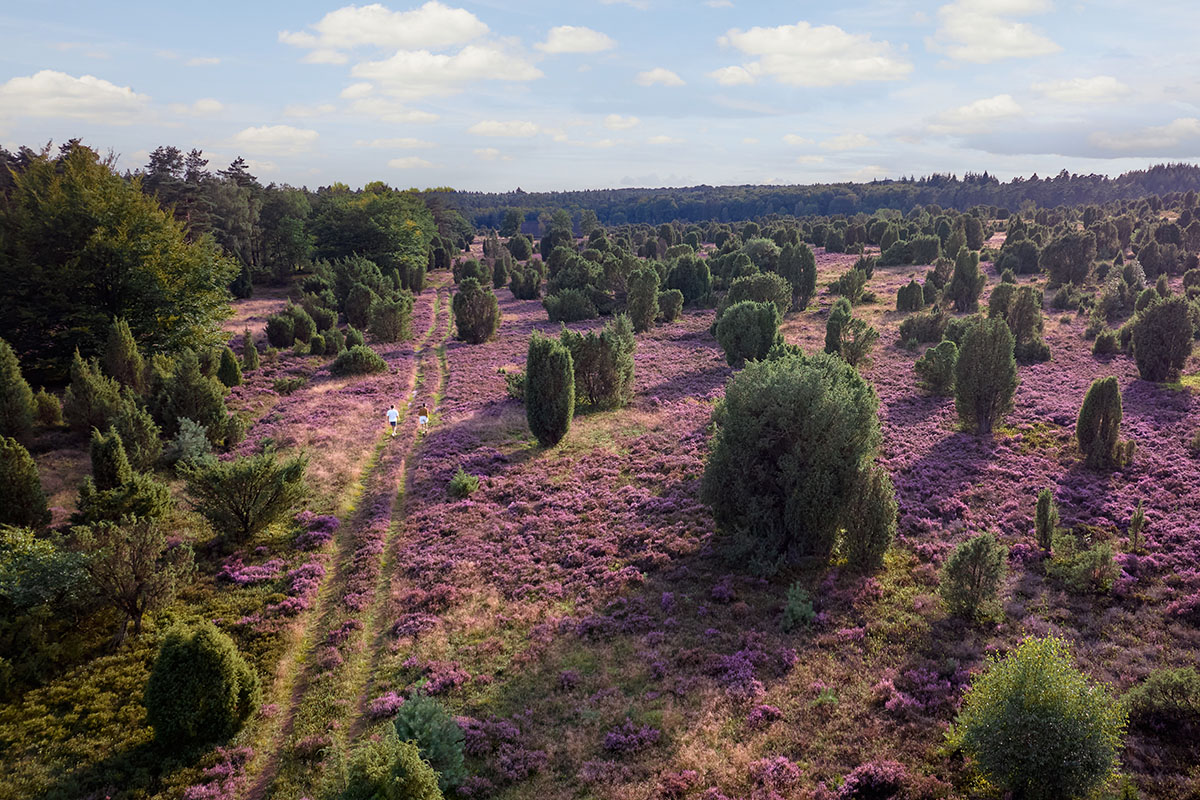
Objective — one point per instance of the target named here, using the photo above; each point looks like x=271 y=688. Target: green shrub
x=549 y=389
x=1098 y=428
x=1106 y=343
x=910 y=297
x=798 y=611
x=670 y=304
x=462 y=485
x=850 y=285
x=972 y=576
x=335 y=341
x=1068 y=258
x=92 y=398
x=514 y=383
x=200 y=689
x=1137 y=524
x=603 y=363
x=1162 y=339
x=281 y=330
x=110 y=465
x=839 y=316
x=526 y=282
x=520 y=247
x=303 y=326
x=470 y=268
x=230 y=371
x=122 y=360
x=691 y=276
x=1045 y=519
x=792 y=437
x=250 y=360
x=1020 y=256
x=967 y=282
x=985 y=375
x=476 y=311
x=190 y=446
x=16 y=398
x=244 y=496
x=1147 y=298
x=48 y=409
x=357 y=360
x=935 y=369
x=140 y=497
x=425 y=722
x=288 y=385
x=316 y=345
x=391 y=320
x=22 y=502
x=925 y=249
x=358 y=305
x=798 y=265
x=747 y=330
x=187 y=393
x=924 y=326
x=642 y=299
x=385 y=768
x=765 y=287
x=1033 y=724
x=1167 y=703
x=499 y=273
x=354 y=337
x=1083 y=568
x=569 y=305
x=870 y=521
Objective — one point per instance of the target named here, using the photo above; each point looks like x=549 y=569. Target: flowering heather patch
x=223 y=780
x=628 y=738
x=235 y=572
x=875 y=780
x=763 y=715
x=386 y=705
x=777 y=777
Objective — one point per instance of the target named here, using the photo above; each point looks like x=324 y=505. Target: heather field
x=579 y=614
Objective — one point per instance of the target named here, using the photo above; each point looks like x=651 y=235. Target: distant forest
x=733 y=203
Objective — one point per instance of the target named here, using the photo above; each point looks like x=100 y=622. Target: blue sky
x=598 y=93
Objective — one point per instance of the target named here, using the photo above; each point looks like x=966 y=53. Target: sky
x=495 y=95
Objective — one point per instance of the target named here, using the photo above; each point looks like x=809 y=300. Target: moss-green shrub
x=1081 y=566
x=462 y=485
x=16 y=398
x=1162 y=339
x=870 y=521
x=798 y=610
x=569 y=305
x=603 y=363
x=385 y=768
x=1167 y=703
x=747 y=331
x=250 y=359
x=642 y=298
x=972 y=576
x=391 y=319
x=670 y=304
x=200 y=689
x=357 y=360
x=425 y=722
x=910 y=297
x=549 y=389
x=22 y=502
x=935 y=369
x=92 y=398
x=281 y=330
x=1033 y=724
x=229 y=372
x=244 y=496
x=985 y=375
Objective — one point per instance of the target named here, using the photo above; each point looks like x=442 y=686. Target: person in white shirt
x=393 y=417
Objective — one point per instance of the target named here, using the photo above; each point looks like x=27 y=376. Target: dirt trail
x=380 y=497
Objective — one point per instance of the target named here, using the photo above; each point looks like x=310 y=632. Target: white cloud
x=734 y=75
x=658 y=75
x=55 y=94
x=804 y=55
x=432 y=25
x=1180 y=137
x=301 y=110
x=391 y=111
x=597 y=143
x=615 y=122
x=570 y=39
x=810 y=159
x=847 y=141
x=1100 y=89
x=409 y=162
x=664 y=140
x=983 y=31
x=202 y=62
x=276 y=139
x=258 y=167
x=490 y=154
x=397 y=143
x=357 y=90
x=325 y=56
x=420 y=73
x=719 y=3
x=978 y=117
x=796 y=140
x=513 y=129
x=202 y=107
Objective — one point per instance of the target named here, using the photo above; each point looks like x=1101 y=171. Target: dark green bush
x=935 y=369
x=670 y=304
x=798 y=265
x=603 y=363
x=747 y=330
x=1167 y=703
x=765 y=287
x=48 y=409
x=358 y=305
x=200 y=689
x=470 y=268
x=549 y=389
x=1106 y=343
x=22 y=502
x=1098 y=428
x=391 y=319
x=1068 y=258
x=140 y=497
x=1034 y=725
x=229 y=372
x=462 y=485
x=520 y=247
x=354 y=337
x=1021 y=257
x=357 y=360
x=967 y=282
x=691 y=276
x=188 y=393
x=925 y=249
x=303 y=326
x=122 y=360
x=972 y=576
x=870 y=521
x=316 y=345
x=1045 y=519
x=850 y=285
x=924 y=326
x=1083 y=567
x=642 y=303
x=244 y=496
x=526 y=282
x=839 y=316
x=250 y=360
x=793 y=435
x=985 y=375
x=385 y=768
x=110 y=465
x=1162 y=339
x=569 y=305
x=425 y=722
x=92 y=398
x=910 y=297
x=16 y=398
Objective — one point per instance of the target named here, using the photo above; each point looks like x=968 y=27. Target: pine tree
x=22 y=502
x=122 y=360
x=16 y=398
x=110 y=465
x=549 y=389
x=250 y=359
x=229 y=372
x=92 y=398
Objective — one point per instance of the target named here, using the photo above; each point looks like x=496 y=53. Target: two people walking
x=393 y=418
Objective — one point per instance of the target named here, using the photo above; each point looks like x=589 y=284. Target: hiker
x=422 y=417
x=393 y=417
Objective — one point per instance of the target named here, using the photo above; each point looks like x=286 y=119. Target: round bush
x=22 y=502
x=1162 y=339
x=910 y=297
x=358 y=360
x=670 y=304
x=281 y=330
x=935 y=369
x=425 y=722
x=972 y=576
x=569 y=305
x=200 y=689
x=1098 y=428
x=476 y=311
x=1035 y=725
x=748 y=330
x=792 y=436
x=229 y=372
x=386 y=768
x=1167 y=702
x=766 y=287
